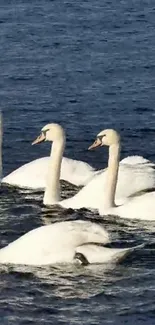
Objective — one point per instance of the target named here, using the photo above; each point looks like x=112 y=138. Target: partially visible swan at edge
x=63 y=242
x=139 y=206
x=137 y=176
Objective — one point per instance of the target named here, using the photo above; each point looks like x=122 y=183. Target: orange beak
x=39 y=139
x=97 y=143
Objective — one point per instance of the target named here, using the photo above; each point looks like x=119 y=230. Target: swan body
x=33 y=174
x=54 y=243
x=140 y=205
x=58 y=243
x=134 y=160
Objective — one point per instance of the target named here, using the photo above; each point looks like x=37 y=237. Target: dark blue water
x=88 y=65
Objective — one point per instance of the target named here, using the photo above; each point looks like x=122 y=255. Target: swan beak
x=39 y=139
x=97 y=143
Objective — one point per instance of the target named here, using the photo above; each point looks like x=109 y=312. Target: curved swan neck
x=112 y=175
x=52 y=191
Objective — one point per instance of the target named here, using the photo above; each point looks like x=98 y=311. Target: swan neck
x=52 y=191
x=112 y=176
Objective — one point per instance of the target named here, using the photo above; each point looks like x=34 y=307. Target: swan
x=33 y=174
x=63 y=242
x=139 y=205
x=140 y=176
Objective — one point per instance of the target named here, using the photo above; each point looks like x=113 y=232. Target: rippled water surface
x=88 y=65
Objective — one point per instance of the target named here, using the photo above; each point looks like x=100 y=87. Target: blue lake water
x=87 y=65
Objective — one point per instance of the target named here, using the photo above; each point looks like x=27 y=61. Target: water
x=88 y=65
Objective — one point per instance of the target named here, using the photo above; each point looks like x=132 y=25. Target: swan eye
x=100 y=137
x=44 y=132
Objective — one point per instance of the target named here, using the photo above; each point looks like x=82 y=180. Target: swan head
x=106 y=137
x=50 y=132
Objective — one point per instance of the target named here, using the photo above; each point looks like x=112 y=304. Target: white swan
x=34 y=174
x=138 y=176
x=62 y=242
x=140 y=205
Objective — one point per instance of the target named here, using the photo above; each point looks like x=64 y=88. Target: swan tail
x=119 y=254
x=96 y=254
